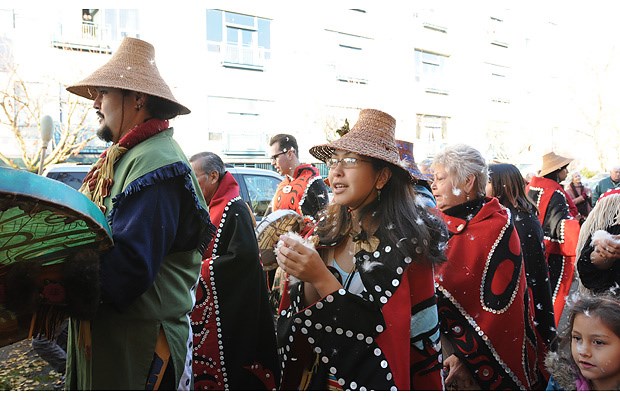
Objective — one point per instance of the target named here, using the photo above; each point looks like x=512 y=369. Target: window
x=349 y=60
x=431 y=71
x=431 y=128
x=432 y=20
x=6 y=54
x=498 y=34
x=243 y=41
x=261 y=190
x=499 y=88
x=238 y=122
x=122 y=23
x=96 y=30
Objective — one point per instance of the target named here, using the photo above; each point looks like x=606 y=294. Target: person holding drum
x=140 y=337
x=302 y=190
x=359 y=311
x=234 y=333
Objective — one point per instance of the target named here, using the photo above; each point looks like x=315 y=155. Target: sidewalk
x=22 y=369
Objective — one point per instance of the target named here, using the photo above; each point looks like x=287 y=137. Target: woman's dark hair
x=417 y=232
x=509 y=187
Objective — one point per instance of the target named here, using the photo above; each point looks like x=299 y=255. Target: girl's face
x=353 y=179
x=596 y=351
x=446 y=194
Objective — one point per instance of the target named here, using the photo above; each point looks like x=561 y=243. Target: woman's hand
x=305 y=264
x=606 y=250
x=459 y=377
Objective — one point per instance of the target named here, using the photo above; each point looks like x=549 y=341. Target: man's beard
x=105 y=133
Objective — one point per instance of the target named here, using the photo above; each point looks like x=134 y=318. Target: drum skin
x=43 y=223
x=268 y=233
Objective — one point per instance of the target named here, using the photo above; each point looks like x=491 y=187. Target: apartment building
x=249 y=70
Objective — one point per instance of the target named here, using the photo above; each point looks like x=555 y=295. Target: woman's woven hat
x=131 y=67
x=405 y=150
x=552 y=162
x=371 y=136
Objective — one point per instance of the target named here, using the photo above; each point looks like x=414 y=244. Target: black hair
x=157 y=107
x=555 y=175
x=509 y=187
x=285 y=141
x=398 y=215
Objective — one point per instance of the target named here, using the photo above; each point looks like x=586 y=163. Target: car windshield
x=71 y=178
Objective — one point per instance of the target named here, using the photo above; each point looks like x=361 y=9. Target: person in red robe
x=359 y=310
x=558 y=216
x=486 y=312
x=232 y=322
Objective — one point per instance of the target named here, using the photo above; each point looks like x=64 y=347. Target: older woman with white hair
x=486 y=315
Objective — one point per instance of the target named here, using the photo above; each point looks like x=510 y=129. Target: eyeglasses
x=346 y=162
x=275 y=156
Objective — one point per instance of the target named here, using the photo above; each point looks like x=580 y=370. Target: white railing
x=237 y=55
x=83 y=34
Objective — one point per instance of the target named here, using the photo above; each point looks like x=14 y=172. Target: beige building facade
x=248 y=70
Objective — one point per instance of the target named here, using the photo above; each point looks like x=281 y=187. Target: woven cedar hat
x=131 y=67
x=371 y=136
x=405 y=150
x=552 y=162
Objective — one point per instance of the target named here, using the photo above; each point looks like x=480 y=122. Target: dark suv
x=257 y=185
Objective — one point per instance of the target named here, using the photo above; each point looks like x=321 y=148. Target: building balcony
x=241 y=57
x=85 y=36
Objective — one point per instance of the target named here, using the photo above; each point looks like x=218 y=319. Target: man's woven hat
x=371 y=136
x=552 y=162
x=131 y=67
x=405 y=150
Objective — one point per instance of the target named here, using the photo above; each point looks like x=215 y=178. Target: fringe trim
x=605 y=213
x=170 y=171
x=46 y=320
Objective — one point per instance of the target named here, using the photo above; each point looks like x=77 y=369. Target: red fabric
x=565 y=246
x=140 y=133
x=610 y=192
x=394 y=340
x=228 y=189
x=416 y=287
x=136 y=135
x=414 y=366
x=298 y=186
x=482 y=267
x=417 y=276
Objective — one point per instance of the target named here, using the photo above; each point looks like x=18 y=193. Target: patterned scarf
x=99 y=180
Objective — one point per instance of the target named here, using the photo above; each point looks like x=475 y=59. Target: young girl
x=589 y=351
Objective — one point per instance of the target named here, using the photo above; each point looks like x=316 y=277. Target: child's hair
x=606 y=306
